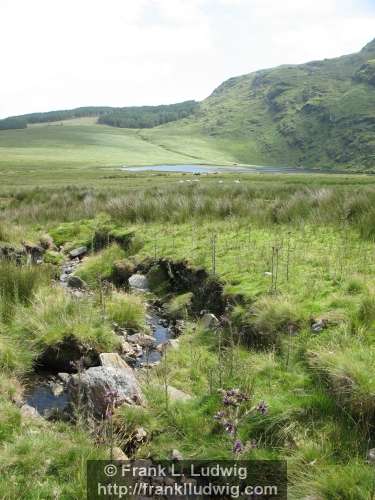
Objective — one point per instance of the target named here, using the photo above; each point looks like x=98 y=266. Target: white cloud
x=129 y=52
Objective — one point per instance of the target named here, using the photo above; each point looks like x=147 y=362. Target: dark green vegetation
x=128 y=117
x=13 y=123
x=320 y=114
x=148 y=116
x=291 y=252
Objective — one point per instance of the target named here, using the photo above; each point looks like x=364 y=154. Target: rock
x=118 y=454
x=76 y=282
x=56 y=389
x=209 y=320
x=139 y=282
x=371 y=456
x=142 y=339
x=94 y=384
x=176 y=455
x=78 y=252
x=121 y=272
x=128 y=350
x=29 y=412
x=140 y=434
x=64 y=377
x=318 y=326
x=113 y=360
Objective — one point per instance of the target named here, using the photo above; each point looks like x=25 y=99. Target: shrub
x=126 y=310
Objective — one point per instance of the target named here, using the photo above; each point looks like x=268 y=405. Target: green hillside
x=320 y=114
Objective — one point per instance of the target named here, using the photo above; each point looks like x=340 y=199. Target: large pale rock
x=78 y=252
x=209 y=320
x=139 y=282
x=115 y=376
x=113 y=360
x=118 y=454
x=29 y=412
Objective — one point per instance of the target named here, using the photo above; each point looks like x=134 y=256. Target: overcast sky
x=64 y=54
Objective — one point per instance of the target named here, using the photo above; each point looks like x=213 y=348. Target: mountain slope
x=321 y=113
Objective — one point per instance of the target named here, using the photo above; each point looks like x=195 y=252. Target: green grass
x=127 y=311
x=55 y=154
x=305 y=230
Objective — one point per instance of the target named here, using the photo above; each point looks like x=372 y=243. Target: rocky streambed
x=72 y=376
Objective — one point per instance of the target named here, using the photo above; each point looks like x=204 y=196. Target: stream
x=46 y=391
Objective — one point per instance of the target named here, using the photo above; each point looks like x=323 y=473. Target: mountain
x=319 y=114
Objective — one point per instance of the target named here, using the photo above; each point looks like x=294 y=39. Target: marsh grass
x=52 y=317
x=320 y=402
x=128 y=311
x=17 y=285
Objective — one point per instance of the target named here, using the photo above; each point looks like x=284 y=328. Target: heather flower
x=237 y=446
x=230 y=427
x=262 y=408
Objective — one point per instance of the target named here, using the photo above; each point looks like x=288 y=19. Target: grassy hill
x=319 y=114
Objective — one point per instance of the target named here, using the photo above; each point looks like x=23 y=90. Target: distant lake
x=212 y=169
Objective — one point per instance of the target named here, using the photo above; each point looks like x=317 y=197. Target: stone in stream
x=78 y=252
x=76 y=282
x=94 y=385
x=64 y=377
x=139 y=282
x=142 y=339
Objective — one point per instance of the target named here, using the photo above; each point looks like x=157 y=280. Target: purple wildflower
x=262 y=408
x=237 y=446
x=230 y=427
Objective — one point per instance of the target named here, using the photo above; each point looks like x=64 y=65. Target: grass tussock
x=126 y=310
x=51 y=317
x=17 y=285
x=347 y=369
x=101 y=266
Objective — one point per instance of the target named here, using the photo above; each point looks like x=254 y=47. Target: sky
x=71 y=53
